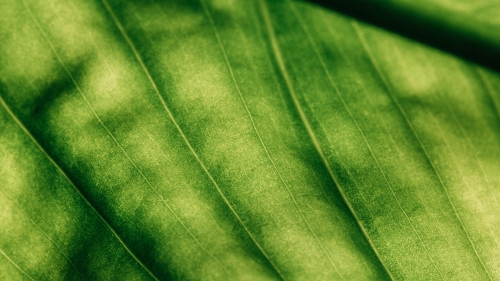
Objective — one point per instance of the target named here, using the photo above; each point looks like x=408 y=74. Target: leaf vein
x=50 y=158
x=417 y=137
x=60 y=170
x=358 y=127
x=15 y=264
x=284 y=72
x=184 y=137
x=43 y=232
x=226 y=59
x=130 y=160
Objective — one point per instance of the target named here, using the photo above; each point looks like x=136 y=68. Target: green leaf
x=239 y=140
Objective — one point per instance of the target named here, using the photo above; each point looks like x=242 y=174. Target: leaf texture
x=239 y=140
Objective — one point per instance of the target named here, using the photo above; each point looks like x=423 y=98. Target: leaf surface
x=224 y=140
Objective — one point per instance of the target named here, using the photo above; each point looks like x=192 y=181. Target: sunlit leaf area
x=245 y=140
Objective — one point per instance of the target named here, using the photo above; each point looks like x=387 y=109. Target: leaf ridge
x=44 y=232
x=223 y=50
x=184 y=137
x=15 y=264
x=281 y=65
x=412 y=129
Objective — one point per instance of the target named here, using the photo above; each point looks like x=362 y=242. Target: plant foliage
x=239 y=140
